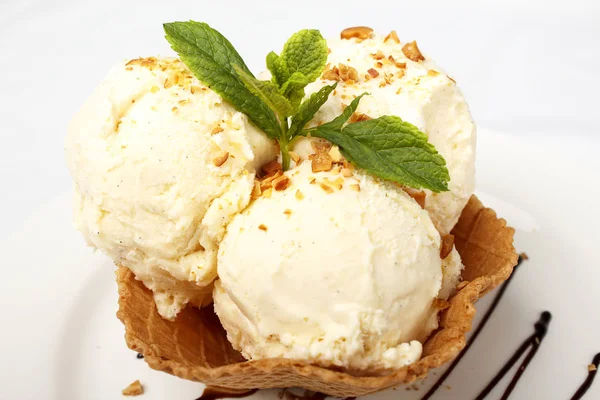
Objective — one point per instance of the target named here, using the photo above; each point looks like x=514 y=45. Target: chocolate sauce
x=588 y=381
x=215 y=393
x=532 y=343
x=476 y=333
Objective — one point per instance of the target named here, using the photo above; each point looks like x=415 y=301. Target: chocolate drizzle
x=585 y=386
x=215 y=393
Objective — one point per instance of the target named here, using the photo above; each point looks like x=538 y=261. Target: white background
x=530 y=71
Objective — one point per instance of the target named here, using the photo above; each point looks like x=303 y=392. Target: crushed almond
x=388 y=78
x=281 y=183
x=348 y=74
x=295 y=157
x=399 y=91
x=355 y=187
x=263 y=227
x=447 y=245
x=299 y=195
x=337 y=184
x=432 y=72
x=335 y=154
x=321 y=162
x=312 y=180
x=154 y=89
x=347 y=173
x=359 y=32
x=134 y=389
x=217 y=129
x=412 y=52
x=218 y=161
x=400 y=74
x=379 y=64
x=378 y=56
x=373 y=72
x=331 y=74
x=328 y=189
x=392 y=36
x=400 y=65
x=256 y=190
x=174 y=109
x=272 y=168
x=357 y=117
x=168 y=83
x=267 y=193
x=288 y=212
x=320 y=146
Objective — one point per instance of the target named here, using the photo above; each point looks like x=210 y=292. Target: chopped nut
x=388 y=78
x=281 y=183
x=400 y=74
x=449 y=77
x=399 y=90
x=288 y=212
x=328 y=189
x=256 y=190
x=592 y=367
x=299 y=194
x=263 y=227
x=373 y=72
x=312 y=180
x=378 y=56
x=417 y=195
x=321 y=162
x=154 y=89
x=320 y=146
x=331 y=74
x=355 y=187
x=412 y=52
x=368 y=77
x=432 y=72
x=295 y=157
x=392 y=36
x=400 y=65
x=168 y=83
x=174 y=109
x=337 y=184
x=335 y=154
x=357 y=117
x=336 y=170
x=379 y=64
x=272 y=168
x=359 y=32
x=346 y=172
x=217 y=129
x=134 y=389
x=267 y=193
x=348 y=74
x=221 y=159
x=447 y=245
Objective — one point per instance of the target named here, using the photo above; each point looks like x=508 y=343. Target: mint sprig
x=386 y=147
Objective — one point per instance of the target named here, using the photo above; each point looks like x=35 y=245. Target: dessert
x=317 y=272
x=336 y=269
x=416 y=89
x=161 y=163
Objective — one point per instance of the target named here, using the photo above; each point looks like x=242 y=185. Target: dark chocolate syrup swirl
x=585 y=386
x=215 y=393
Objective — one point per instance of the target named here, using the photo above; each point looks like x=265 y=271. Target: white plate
x=62 y=339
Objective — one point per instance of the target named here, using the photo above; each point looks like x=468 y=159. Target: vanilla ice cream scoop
x=334 y=270
x=417 y=91
x=161 y=164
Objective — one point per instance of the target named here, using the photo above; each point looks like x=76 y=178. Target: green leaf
x=293 y=88
x=341 y=119
x=309 y=108
x=268 y=92
x=305 y=52
x=278 y=68
x=211 y=58
x=391 y=149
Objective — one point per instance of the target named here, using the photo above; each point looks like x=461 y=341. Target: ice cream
x=161 y=164
x=335 y=268
x=402 y=82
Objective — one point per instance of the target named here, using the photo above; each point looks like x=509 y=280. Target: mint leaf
x=341 y=119
x=211 y=58
x=305 y=52
x=268 y=92
x=391 y=149
x=278 y=68
x=293 y=88
x=309 y=108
